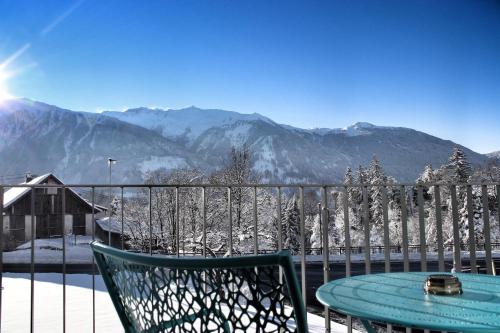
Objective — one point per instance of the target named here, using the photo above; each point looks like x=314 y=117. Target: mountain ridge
x=75 y=144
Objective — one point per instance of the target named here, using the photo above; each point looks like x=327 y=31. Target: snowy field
x=49 y=251
x=49 y=307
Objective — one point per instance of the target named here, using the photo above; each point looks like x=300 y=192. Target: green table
x=398 y=298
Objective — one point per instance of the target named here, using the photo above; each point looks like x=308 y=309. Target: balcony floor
x=48 y=305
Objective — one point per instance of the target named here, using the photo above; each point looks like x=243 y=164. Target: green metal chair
x=237 y=294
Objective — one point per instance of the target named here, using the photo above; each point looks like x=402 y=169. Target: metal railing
x=328 y=206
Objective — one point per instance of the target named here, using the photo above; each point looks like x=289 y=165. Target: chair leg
x=369 y=328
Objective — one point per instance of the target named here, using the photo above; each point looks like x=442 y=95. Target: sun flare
x=4 y=91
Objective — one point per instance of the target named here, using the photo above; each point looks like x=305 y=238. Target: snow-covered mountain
x=75 y=145
x=494 y=155
x=184 y=124
x=42 y=138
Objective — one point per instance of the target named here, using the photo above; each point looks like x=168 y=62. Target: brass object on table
x=443 y=284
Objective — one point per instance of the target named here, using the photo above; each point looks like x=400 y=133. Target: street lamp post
x=110 y=163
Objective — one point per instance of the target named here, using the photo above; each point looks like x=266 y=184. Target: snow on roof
x=115 y=226
x=16 y=193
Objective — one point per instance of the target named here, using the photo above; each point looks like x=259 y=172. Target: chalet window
x=51 y=190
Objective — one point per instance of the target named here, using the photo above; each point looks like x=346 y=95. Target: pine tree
x=362 y=175
x=354 y=199
x=376 y=177
x=316 y=236
x=458 y=167
x=291 y=225
x=428 y=177
x=457 y=170
x=349 y=181
x=477 y=216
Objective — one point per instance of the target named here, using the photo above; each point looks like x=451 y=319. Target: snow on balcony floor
x=48 y=305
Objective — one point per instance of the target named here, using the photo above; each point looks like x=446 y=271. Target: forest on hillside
x=240 y=219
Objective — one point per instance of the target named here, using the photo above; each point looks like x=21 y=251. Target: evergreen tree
x=477 y=216
x=376 y=177
x=316 y=236
x=354 y=199
x=457 y=170
x=458 y=167
x=349 y=181
x=291 y=225
x=362 y=175
x=428 y=176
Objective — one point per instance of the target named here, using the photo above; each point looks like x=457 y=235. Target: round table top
x=399 y=298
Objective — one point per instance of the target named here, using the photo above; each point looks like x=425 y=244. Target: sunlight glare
x=4 y=93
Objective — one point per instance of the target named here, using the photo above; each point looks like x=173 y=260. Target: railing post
x=302 y=244
x=487 y=234
x=280 y=226
x=109 y=208
x=404 y=227
x=439 y=227
x=150 y=221
x=255 y=222
x=366 y=226
x=230 y=217
x=280 y=229
x=177 y=225
x=63 y=209
x=457 y=261
x=347 y=251
x=421 y=222
x=498 y=205
x=122 y=206
x=1 y=253
x=32 y=265
x=204 y=220
x=472 y=237
x=387 y=251
x=326 y=259
x=93 y=260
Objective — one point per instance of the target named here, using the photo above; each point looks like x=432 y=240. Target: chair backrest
x=236 y=294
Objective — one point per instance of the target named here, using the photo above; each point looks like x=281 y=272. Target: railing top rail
x=274 y=185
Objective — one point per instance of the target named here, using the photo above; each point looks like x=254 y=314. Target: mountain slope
x=75 y=145
x=303 y=156
x=494 y=155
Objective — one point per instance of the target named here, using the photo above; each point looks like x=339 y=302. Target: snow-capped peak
x=188 y=122
x=359 y=128
x=494 y=154
x=361 y=125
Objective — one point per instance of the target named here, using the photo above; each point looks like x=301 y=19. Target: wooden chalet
x=49 y=220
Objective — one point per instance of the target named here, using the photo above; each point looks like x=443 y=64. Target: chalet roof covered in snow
x=16 y=193
x=115 y=225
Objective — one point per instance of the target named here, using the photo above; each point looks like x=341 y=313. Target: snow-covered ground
x=78 y=252
x=49 y=307
x=48 y=251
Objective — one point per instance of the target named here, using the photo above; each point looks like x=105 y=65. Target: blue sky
x=429 y=65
